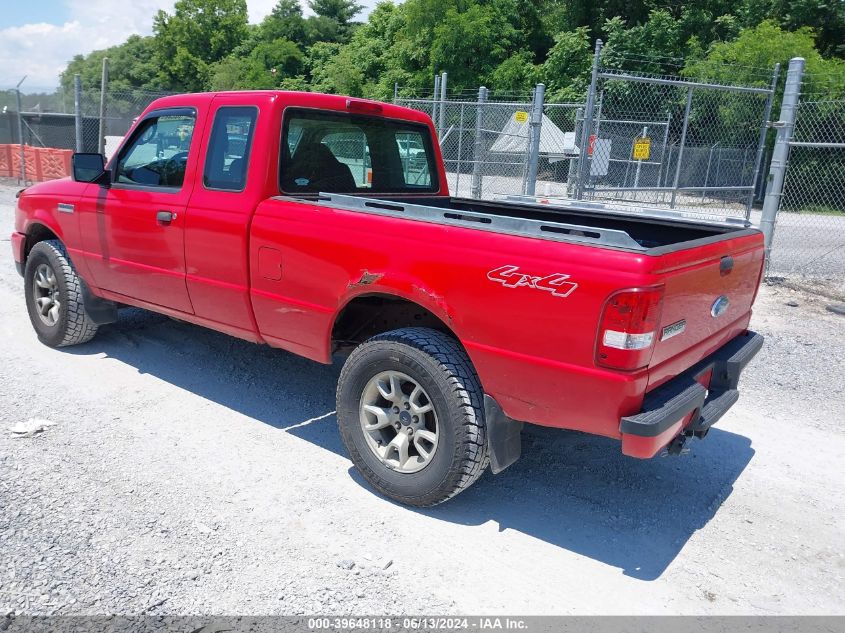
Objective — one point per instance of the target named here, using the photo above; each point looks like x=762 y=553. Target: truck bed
x=647 y=234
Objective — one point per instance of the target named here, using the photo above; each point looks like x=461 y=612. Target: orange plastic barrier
x=42 y=163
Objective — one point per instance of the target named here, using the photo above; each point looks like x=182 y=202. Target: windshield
x=346 y=153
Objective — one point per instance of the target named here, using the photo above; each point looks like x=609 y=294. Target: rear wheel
x=410 y=412
x=54 y=297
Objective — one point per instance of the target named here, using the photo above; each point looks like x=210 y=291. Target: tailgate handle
x=726 y=265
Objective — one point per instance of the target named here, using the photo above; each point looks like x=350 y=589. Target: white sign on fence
x=601 y=157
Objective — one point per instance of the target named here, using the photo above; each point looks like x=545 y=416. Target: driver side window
x=158 y=154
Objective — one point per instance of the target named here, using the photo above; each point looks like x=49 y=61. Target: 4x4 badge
x=510 y=277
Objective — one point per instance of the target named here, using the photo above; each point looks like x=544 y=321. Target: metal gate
x=808 y=247
x=669 y=141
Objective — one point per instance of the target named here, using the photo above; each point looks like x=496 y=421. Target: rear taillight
x=628 y=328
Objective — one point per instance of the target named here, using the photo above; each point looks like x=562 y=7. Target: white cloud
x=41 y=50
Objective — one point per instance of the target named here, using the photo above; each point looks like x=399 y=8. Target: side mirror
x=90 y=168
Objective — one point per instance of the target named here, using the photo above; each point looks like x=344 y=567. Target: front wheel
x=54 y=297
x=410 y=412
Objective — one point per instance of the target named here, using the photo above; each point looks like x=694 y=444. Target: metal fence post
x=761 y=144
x=663 y=150
x=442 y=110
x=707 y=173
x=104 y=83
x=478 y=146
x=780 y=155
x=435 y=98
x=20 y=130
x=395 y=91
x=460 y=152
x=588 y=122
x=535 y=128
x=681 y=148
x=574 y=162
x=77 y=112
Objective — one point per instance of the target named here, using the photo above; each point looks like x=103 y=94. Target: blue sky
x=38 y=37
x=20 y=13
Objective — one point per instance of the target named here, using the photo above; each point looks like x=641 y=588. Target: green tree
x=566 y=70
x=285 y=20
x=507 y=45
x=334 y=69
x=747 y=60
x=332 y=20
x=265 y=68
x=648 y=47
x=341 y=11
x=517 y=74
x=132 y=65
x=198 y=34
x=825 y=17
x=469 y=45
x=370 y=63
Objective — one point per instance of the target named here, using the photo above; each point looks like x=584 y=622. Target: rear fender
x=413 y=290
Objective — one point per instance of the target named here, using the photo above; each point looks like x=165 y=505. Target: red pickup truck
x=323 y=225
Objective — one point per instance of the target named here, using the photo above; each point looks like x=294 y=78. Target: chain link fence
x=668 y=141
x=485 y=144
x=64 y=124
x=808 y=246
x=637 y=142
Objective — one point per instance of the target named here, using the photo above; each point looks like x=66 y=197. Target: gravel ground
x=192 y=473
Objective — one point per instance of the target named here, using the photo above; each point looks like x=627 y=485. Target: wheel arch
x=368 y=314
x=38 y=232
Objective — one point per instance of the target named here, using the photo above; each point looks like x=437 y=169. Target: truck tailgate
x=709 y=291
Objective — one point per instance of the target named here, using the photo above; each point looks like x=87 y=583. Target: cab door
x=134 y=230
x=240 y=143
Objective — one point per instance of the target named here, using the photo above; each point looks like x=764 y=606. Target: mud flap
x=100 y=311
x=504 y=436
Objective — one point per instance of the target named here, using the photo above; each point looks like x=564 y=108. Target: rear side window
x=228 y=148
x=352 y=153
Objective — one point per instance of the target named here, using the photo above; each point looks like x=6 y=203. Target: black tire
x=73 y=325
x=441 y=366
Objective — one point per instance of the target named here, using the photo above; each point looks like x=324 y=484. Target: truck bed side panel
x=533 y=348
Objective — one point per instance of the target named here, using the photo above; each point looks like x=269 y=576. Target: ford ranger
x=323 y=225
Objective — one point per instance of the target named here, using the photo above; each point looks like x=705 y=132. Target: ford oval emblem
x=720 y=306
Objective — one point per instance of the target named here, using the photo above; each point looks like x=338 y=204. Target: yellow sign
x=521 y=116
x=642 y=148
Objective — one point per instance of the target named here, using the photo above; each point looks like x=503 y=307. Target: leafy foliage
x=508 y=45
x=198 y=34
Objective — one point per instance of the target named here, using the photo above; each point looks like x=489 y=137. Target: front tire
x=54 y=297
x=410 y=412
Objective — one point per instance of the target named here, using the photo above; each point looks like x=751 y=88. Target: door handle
x=165 y=217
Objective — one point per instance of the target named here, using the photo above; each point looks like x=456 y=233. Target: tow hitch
x=676 y=446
